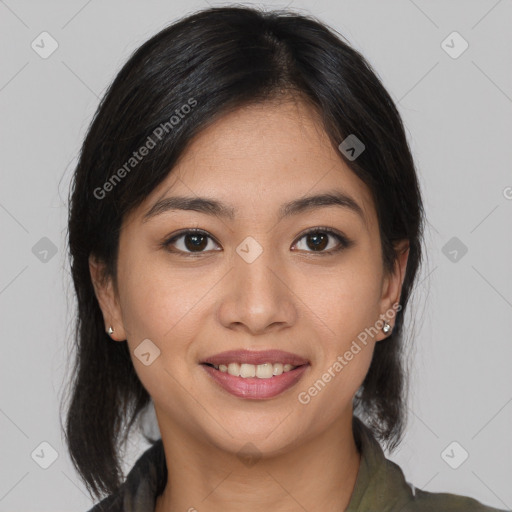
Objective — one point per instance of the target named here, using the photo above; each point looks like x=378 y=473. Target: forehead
x=259 y=157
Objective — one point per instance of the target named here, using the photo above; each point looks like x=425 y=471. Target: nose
x=258 y=296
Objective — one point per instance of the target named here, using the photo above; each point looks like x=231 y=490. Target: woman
x=245 y=232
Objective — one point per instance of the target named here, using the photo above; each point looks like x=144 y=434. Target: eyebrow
x=216 y=208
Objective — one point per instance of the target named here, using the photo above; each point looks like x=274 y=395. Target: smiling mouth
x=259 y=371
x=255 y=382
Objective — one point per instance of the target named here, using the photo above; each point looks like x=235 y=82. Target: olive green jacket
x=380 y=485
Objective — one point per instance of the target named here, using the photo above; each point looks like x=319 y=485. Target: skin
x=291 y=297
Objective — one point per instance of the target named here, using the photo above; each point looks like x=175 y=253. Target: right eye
x=189 y=241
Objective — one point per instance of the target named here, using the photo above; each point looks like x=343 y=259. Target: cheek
x=154 y=303
x=346 y=299
x=163 y=308
x=161 y=300
x=344 y=305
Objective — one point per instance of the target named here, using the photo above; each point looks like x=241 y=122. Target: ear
x=392 y=286
x=107 y=298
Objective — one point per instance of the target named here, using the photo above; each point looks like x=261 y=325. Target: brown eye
x=195 y=242
x=190 y=241
x=318 y=239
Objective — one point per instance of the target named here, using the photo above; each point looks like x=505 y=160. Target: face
x=252 y=279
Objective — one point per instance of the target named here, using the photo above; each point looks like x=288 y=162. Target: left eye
x=317 y=240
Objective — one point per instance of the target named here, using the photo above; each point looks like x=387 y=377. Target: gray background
x=457 y=112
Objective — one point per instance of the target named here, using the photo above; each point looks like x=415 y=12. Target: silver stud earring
x=110 y=330
x=386 y=328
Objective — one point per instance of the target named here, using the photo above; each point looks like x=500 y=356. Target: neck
x=318 y=474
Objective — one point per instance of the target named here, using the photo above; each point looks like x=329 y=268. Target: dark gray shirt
x=380 y=485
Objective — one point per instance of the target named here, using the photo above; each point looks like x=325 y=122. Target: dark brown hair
x=221 y=59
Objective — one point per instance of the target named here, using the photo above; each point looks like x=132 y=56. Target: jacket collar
x=380 y=483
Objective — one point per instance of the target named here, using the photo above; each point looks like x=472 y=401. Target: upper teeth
x=261 y=371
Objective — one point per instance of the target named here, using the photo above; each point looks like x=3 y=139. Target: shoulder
x=424 y=501
x=112 y=503
x=381 y=485
x=144 y=483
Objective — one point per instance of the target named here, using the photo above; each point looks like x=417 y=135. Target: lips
x=253 y=388
x=255 y=357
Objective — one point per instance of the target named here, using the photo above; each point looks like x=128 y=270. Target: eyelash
x=344 y=242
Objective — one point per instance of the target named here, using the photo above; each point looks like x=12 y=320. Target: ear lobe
x=106 y=296
x=393 y=283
